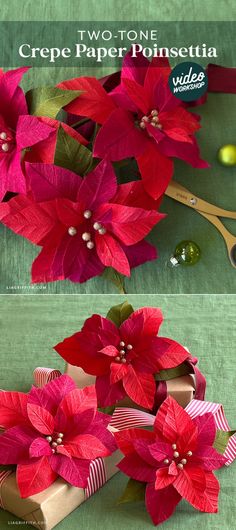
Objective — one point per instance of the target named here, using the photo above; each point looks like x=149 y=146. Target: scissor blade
x=181 y=194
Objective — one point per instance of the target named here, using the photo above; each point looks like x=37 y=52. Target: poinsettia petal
x=208 y=458
x=126 y=439
x=163 y=478
x=173 y=352
x=49 y=182
x=28 y=219
x=137 y=94
x=119 y=138
x=40 y=447
x=15 y=443
x=140 y=387
x=145 y=321
x=13 y=409
x=50 y=396
x=141 y=447
x=199 y=488
x=94 y=102
x=136 y=468
x=40 y=418
x=129 y=224
x=111 y=351
x=98 y=186
x=73 y=470
x=108 y=394
x=10 y=80
x=79 y=400
x=86 y=446
x=34 y=477
x=140 y=253
x=134 y=194
x=111 y=253
x=185 y=151
x=82 y=349
x=156 y=169
x=160 y=451
x=180 y=118
x=206 y=428
x=118 y=372
x=30 y=131
x=161 y=504
x=172 y=422
x=85 y=264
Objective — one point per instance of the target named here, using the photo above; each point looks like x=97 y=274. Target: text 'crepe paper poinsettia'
x=173 y=461
x=83 y=225
x=53 y=431
x=124 y=356
x=140 y=118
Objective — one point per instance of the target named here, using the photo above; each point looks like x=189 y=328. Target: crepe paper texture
x=82 y=225
x=127 y=357
x=175 y=460
x=140 y=118
x=53 y=432
x=46 y=509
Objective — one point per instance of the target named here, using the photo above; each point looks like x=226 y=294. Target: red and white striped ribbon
x=3 y=475
x=97 y=477
x=198 y=408
x=129 y=418
x=42 y=375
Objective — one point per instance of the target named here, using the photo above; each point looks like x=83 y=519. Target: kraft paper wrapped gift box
x=181 y=388
x=46 y=509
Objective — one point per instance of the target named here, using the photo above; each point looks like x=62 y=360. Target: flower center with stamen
x=180 y=460
x=151 y=119
x=54 y=440
x=124 y=350
x=6 y=141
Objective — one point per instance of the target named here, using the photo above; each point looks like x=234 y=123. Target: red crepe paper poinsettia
x=124 y=359
x=140 y=118
x=53 y=431
x=175 y=460
x=18 y=131
x=84 y=224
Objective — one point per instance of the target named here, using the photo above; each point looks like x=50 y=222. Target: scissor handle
x=181 y=194
x=229 y=239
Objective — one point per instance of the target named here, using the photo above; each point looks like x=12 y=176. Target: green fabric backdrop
x=213 y=274
x=31 y=325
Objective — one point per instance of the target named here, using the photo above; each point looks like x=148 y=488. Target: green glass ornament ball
x=187 y=253
x=227 y=155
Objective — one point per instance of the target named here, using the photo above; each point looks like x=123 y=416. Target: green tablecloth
x=32 y=325
x=214 y=273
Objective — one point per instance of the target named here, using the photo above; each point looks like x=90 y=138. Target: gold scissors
x=207 y=210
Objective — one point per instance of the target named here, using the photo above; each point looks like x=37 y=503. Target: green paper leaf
x=134 y=491
x=172 y=373
x=115 y=277
x=72 y=155
x=222 y=439
x=48 y=101
x=120 y=313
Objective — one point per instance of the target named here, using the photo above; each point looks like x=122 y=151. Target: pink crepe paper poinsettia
x=175 y=460
x=21 y=132
x=125 y=359
x=53 y=431
x=140 y=118
x=84 y=224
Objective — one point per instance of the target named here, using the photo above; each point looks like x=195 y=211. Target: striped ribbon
x=97 y=477
x=42 y=375
x=129 y=418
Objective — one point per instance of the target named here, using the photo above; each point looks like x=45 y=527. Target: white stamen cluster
x=55 y=440
x=99 y=228
x=4 y=145
x=182 y=462
x=152 y=119
x=123 y=352
x=86 y=236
